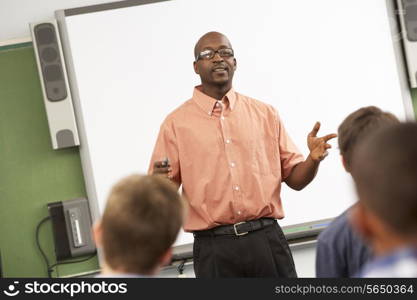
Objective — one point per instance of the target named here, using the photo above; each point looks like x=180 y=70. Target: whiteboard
x=312 y=60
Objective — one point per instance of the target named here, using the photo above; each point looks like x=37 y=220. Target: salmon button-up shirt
x=230 y=157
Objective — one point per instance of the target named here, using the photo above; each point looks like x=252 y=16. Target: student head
x=357 y=126
x=214 y=60
x=385 y=174
x=140 y=223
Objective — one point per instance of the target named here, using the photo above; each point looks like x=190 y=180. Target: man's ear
x=195 y=67
x=98 y=234
x=234 y=64
x=359 y=218
x=344 y=163
x=166 y=257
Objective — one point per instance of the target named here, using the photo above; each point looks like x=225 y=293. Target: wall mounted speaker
x=54 y=82
x=407 y=17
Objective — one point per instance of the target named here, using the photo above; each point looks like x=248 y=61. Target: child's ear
x=359 y=218
x=98 y=234
x=166 y=257
x=342 y=158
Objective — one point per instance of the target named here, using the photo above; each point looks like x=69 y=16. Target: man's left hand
x=318 y=145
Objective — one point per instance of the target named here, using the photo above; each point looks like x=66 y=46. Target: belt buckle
x=238 y=234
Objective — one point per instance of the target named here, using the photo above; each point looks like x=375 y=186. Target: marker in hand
x=165 y=162
x=162 y=167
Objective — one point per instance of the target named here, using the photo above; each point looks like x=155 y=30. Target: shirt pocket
x=265 y=152
x=200 y=150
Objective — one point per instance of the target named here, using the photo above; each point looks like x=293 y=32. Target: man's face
x=217 y=70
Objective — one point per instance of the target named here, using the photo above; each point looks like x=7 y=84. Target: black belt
x=237 y=229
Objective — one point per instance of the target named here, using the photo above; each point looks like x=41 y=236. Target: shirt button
x=239 y=212
x=236 y=188
x=209 y=113
x=232 y=164
x=222 y=118
x=228 y=141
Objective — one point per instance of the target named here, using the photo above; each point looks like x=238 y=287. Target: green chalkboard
x=31 y=173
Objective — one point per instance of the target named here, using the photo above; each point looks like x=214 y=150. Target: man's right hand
x=162 y=167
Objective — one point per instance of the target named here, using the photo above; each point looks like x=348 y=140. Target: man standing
x=231 y=153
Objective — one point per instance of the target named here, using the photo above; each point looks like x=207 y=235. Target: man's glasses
x=209 y=53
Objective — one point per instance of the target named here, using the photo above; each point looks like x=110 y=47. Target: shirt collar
x=207 y=103
x=388 y=261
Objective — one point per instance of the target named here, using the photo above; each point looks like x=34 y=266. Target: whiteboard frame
x=297 y=229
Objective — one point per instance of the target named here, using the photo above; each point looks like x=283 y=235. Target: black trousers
x=260 y=253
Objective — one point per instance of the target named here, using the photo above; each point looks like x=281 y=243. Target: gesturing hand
x=318 y=145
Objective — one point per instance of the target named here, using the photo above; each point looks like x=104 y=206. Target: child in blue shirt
x=341 y=252
x=385 y=173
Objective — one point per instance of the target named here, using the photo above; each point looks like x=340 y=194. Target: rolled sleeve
x=166 y=147
x=290 y=156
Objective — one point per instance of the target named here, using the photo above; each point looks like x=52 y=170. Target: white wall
x=15 y=15
x=305 y=260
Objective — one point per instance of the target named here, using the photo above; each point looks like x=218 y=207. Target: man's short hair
x=140 y=223
x=385 y=173
x=359 y=125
